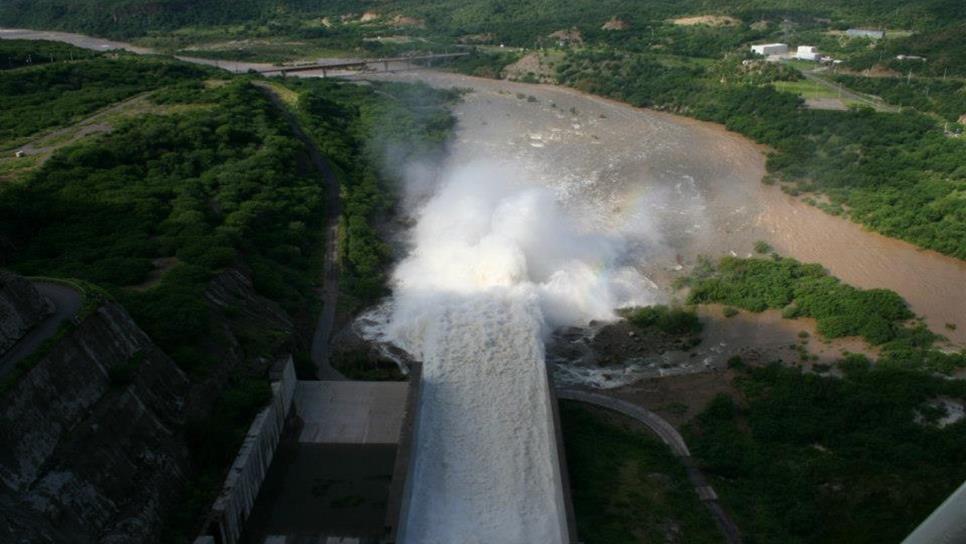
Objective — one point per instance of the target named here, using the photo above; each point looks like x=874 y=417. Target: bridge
x=367 y=65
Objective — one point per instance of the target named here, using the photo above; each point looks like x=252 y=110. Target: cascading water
x=495 y=264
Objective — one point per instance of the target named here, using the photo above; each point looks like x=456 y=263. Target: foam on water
x=495 y=264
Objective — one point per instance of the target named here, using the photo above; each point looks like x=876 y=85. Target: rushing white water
x=495 y=264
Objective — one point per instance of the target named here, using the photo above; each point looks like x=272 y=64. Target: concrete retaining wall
x=231 y=508
x=561 y=460
x=946 y=525
x=399 y=489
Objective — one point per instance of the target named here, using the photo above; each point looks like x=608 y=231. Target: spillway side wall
x=401 y=491
x=945 y=525
x=227 y=517
x=399 y=488
x=563 y=483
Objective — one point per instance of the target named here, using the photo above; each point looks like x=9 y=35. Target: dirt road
x=330 y=274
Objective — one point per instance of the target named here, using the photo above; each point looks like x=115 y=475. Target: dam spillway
x=486 y=466
x=495 y=264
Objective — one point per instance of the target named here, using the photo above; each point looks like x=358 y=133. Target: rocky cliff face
x=251 y=331
x=91 y=451
x=21 y=307
x=92 y=447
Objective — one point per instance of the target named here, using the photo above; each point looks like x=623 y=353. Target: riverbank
x=711 y=203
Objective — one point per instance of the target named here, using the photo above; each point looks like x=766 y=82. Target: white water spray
x=495 y=265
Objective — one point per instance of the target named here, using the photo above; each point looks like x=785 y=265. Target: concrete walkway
x=351 y=412
x=66 y=302
x=670 y=436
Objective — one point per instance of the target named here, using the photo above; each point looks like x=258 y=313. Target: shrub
x=669 y=320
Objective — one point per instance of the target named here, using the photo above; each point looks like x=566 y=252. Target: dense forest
x=943 y=97
x=204 y=175
x=49 y=95
x=18 y=53
x=515 y=22
x=211 y=178
x=801 y=458
x=204 y=188
x=415 y=115
x=627 y=487
x=897 y=173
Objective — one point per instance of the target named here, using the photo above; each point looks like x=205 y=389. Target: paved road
x=66 y=302
x=670 y=436
x=330 y=268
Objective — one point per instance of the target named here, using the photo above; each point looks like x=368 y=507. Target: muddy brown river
x=677 y=188
x=681 y=188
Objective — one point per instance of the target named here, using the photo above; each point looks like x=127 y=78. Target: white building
x=767 y=49
x=807 y=52
x=865 y=33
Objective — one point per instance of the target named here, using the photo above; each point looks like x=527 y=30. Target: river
x=701 y=180
x=683 y=188
x=492 y=271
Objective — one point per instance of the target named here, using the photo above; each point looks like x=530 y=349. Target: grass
x=46 y=143
x=806 y=89
x=801 y=65
x=14 y=169
x=262 y=51
x=288 y=97
x=799 y=458
x=626 y=485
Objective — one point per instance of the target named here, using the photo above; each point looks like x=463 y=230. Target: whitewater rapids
x=495 y=264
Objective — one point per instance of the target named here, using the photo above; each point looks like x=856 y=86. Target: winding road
x=670 y=436
x=330 y=266
x=66 y=302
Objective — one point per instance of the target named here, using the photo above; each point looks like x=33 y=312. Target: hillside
x=514 y=21
x=181 y=194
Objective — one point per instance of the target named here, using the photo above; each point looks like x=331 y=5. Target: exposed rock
x=533 y=67
x=618 y=341
x=233 y=290
x=477 y=38
x=368 y=16
x=21 y=307
x=250 y=332
x=613 y=343
x=568 y=36
x=93 y=441
x=404 y=21
x=615 y=24
x=91 y=449
x=708 y=20
x=358 y=358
